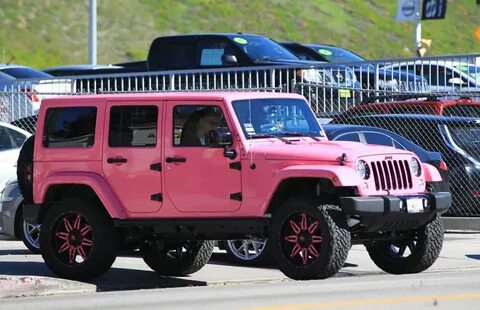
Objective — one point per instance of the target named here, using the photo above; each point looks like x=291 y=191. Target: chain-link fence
x=446 y=121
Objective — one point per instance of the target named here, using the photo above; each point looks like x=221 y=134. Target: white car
x=23 y=94
x=443 y=75
x=11 y=140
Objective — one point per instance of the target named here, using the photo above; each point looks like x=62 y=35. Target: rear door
x=132 y=152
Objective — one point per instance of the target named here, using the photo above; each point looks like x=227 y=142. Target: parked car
x=259 y=251
x=443 y=75
x=133 y=170
x=415 y=104
x=11 y=140
x=29 y=87
x=367 y=73
x=456 y=138
x=11 y=217
x=71 y=70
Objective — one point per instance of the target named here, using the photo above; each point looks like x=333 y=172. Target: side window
x=6 y=142
x=17 y=137
x=212 y=51
x=379 y=139
x=133 y=126
x=348 y=137
x=171 y=54
x=69 y=127
x=192 y=123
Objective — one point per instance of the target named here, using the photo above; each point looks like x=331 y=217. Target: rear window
x=26 y=73
x=69 y=127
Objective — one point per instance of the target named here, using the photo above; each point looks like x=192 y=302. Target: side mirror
x=229 y=59
x=220 y=137
x=456 y=81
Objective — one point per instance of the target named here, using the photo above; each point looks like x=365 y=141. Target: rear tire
x=250 y=251
x=177 y=258
x=78 y=240
x=412 y=255
x=25 y=169
x=309 y=242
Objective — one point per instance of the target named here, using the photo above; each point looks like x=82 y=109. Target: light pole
x=92 y=33
x=418 y=29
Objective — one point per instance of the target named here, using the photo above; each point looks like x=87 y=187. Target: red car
x=427 y=105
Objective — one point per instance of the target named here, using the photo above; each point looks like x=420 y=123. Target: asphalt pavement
x=25 y=274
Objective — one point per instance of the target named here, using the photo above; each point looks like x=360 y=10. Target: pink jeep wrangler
x=168 y=173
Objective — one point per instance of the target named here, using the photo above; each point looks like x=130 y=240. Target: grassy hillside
x=43 y=33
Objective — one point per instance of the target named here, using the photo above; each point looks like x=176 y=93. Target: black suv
x=457 y=138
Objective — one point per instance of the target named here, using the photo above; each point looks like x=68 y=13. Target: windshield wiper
x=263 y=135
x=298 y=134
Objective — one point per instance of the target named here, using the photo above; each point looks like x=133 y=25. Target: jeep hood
x=328 y=151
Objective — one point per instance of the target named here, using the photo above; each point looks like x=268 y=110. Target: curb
x=465 y=224
x=29 y=286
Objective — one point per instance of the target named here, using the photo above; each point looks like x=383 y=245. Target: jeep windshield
x=262 y=49
x=276 y=117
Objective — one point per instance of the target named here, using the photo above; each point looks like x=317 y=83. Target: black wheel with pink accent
x=78 y=240
x=309 y=242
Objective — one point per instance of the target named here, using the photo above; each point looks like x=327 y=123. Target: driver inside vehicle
x=199 y=124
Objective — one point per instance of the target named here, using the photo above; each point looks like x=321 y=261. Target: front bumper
x=390 y=213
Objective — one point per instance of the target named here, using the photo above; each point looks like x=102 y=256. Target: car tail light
x=31 y=94
x=442 y=166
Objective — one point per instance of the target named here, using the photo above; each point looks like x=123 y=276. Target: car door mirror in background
x=228 y=59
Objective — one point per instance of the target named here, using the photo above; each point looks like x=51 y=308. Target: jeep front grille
x=391 y=174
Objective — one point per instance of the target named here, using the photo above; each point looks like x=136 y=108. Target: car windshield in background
x=466 y=136
x=337 y=55
x=25 y=73
x=277 y=117
x=472 y=71
x=462 y=110
x=261 y=48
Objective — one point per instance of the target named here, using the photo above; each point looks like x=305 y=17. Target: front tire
x=309 y=242
x=78 y=240
x=177 y=258
x=413 y=254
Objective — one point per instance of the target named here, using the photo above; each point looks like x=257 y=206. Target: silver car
x=11 y=217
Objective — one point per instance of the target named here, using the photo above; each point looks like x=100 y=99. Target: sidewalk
x=24 y=274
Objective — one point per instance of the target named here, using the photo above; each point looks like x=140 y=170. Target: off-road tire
x=429 y=241
x=103 y=236
x=157 y=257
x=265 y=258
x=334 y=246
x=25 y=169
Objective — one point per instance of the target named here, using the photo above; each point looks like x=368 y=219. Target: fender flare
x=97 y=183
x=431 y=173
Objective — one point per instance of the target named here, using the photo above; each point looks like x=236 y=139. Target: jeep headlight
x=415 y=167
x=363 y=169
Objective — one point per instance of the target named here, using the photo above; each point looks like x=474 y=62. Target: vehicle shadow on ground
x=224 y=259
x=115 y=279
x=15 y=252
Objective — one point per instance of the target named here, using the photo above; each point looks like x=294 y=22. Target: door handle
x=175 y=159
x=116 y=160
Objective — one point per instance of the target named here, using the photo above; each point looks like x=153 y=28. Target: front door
x=132 y=153
x=199 y=178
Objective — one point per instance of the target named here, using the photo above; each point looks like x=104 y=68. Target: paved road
x=454 y=281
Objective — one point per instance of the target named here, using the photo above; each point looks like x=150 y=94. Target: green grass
x=42 y=33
